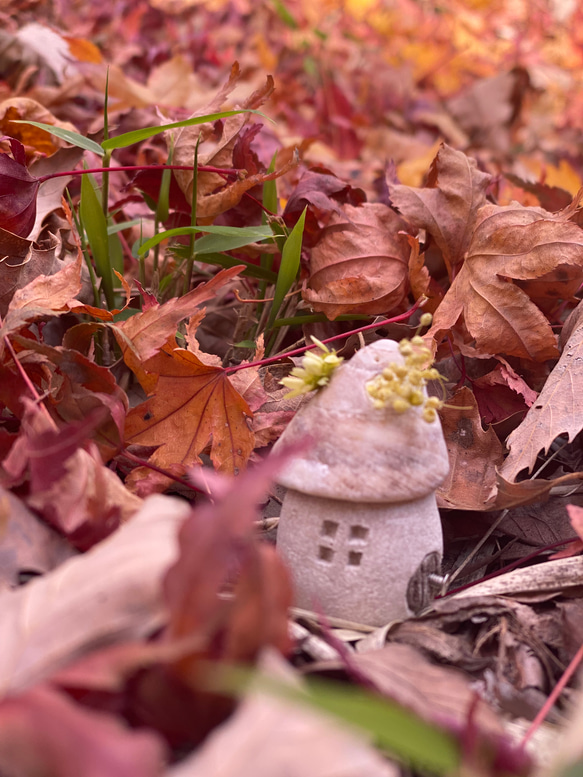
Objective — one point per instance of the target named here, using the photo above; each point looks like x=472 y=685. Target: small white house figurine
x=359 y=525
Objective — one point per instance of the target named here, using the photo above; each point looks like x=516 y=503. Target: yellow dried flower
x=401 y=385
x=315 y=371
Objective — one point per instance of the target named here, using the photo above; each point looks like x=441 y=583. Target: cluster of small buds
x=401 y=385
x=315 y=371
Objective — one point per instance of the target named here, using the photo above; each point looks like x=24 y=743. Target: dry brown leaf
x=474 y=455
x=214 y=196
x=435 y=693
x=360 y=264
x=113 y=592
x=558 y=410
x=448 y=204
x=509 y=245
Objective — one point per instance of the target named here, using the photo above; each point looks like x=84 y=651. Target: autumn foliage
x=371 y=161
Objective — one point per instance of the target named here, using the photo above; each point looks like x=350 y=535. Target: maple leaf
x=190 y=405
x=360 y=264
x=510 y=244
x=148 y=331
x=448 y=204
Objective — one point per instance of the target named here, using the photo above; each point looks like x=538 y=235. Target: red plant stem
x=303 y=349
x=128 y=168
x=553 y=696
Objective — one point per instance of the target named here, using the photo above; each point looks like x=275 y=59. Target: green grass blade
x=396 y=730
x=64 y=134
x=95 y=227
x=270 y=191
x=113 y=229
x=288 y=270
x=285 y=15
x=223 y=260
x=234 y=234
x=399 y=732
x=129 y=138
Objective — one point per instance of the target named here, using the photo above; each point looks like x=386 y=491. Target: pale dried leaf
x=558 y=410
x=299 y=743
x=112 y=592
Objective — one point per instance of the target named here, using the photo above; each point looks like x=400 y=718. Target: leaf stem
x=298 y=351
x=228 y=171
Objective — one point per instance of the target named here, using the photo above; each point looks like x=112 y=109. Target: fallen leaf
x=302 y=743
x=18 y=191
x=190 y=405
x=474 y=455
x=557 y=410
x=140 y=337
x=27 y=545
x=325 y=192
x=44 y=734
x=217 y=142
x=448 y=204
x=502 y=393
x=110 y=593
x=360 y=264
x=509 y=244
x=46 y=295
x=25 y=109
x=485 y=109
x=437 y=694
x=23 y=262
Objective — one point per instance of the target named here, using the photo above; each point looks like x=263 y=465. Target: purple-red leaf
x=18 y=190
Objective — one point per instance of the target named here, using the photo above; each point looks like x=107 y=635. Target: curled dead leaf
x=360 y=264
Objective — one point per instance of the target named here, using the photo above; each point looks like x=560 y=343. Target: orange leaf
x=191 y=405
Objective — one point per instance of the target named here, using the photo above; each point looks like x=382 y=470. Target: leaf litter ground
x=439 y=156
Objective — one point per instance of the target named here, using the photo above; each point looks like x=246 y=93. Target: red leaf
x=18 y=190
x=44 y=734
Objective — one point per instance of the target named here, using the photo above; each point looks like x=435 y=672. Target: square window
x=329 y=529
x=354 y=558
x=358 y=532
x=325 y=554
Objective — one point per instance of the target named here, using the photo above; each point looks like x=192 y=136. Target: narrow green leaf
x=288 y=269
x=248 y=234
x=285 y=15
x=270 y=191
x=95 y=227
x=399 y=732
x=64 y=134
x=115 y=253
x=224 y=260
x=113 y=229
x=129 y=138
x=420 y=745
